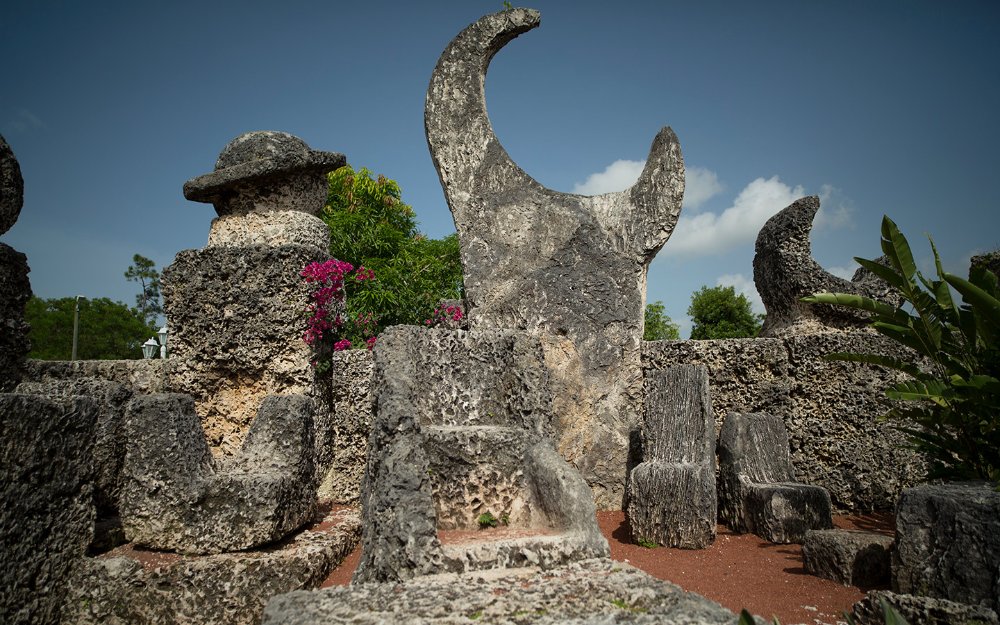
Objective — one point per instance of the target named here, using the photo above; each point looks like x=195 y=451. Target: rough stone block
x=588 y=592
x=342 y=432
x=920 y=610
x=46 y=486
x=109 y=430
x=948 y=543
x=15 y=291
x=757 y=488
x=133 y=587
x=176 y=497
x=236 y=332
x=852 y=558
x=671 y=494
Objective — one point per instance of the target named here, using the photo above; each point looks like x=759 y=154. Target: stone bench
x=671 y=494
x=175 y=496
x=853 y=558
x=757 y=488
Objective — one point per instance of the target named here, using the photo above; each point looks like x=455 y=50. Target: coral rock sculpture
x=15 y=289
x=567 y=267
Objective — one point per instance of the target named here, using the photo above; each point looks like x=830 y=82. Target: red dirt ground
x=737 y=570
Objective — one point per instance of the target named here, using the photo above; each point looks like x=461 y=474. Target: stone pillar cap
x=258 y=155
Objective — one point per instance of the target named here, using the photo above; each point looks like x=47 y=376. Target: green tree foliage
x=370 y=226
x=719 y=313
x=108 y=330
x=951 y=402
x=658 y=325
x=143 y=271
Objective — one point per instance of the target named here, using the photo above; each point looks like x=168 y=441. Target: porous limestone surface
x=271 y=228
x=137 y=587
x=15 y=291
x=139 y=376
x=237 y=320
x=851 y=557
x=342 y=432
x=831 y=409
x=109 y=429
x=11 y=187
x=590 y=592
x=46 y=486
x=948 y=543
x=920 y=610
x=569 y=268
x=175 y=496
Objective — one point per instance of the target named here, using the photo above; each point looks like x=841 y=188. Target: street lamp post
x=162 y=334
x=149 y=348
x=76 y=326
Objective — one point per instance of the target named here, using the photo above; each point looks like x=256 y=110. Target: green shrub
x=951 y=402
x=487 y=520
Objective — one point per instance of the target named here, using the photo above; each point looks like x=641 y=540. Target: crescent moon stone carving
x=569 y=268
x=784 y=271
x=11 y=187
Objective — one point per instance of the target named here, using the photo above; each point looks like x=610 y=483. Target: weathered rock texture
x=461 y=429
x=138 y=376
x=46 y=486
x=831 y=409
x=272 y=228
x=990 y=260
x=948 y=543
x=342 y=432
x=15 y=291
x=236 y=319
x=850 y=557
x=129 y=586
x=784 y=272
x=109 y=429
x=922 y=610
x=569 y=268
x=591 y=592
x=757 y=488
x=11 y=187
x=671 y=494
x=176 y=497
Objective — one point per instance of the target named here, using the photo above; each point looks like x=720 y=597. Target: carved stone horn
x=472 y=163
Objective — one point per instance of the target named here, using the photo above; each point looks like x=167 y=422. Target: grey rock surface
x=46 y=486
x=590 y=592
x=134 y=587
x=671 y=494
x=569 y=268
x=264 y=170
x=11 y=187
x=15 y=291
x=831 y=409
x=460 y=430
x=757 y=488
x=236 y=320
x=989 y=260
x=109 y=429
x=342 y=432
x=784 y=272
x=139 y=376
x=271 y=229
x=948 y=543
x=920 y=610
x=853 y=558
x=176 y=497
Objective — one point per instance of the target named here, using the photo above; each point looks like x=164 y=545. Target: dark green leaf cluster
x=951 y=408
x=657 y=324
x=719 y=313
x=370 y=226
x=108 y=330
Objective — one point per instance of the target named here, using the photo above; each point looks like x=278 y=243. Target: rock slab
x=850 y=557
x=15 y=291
x=948 y=543
x=920 y=610
x=46 y=486
x=589 y=592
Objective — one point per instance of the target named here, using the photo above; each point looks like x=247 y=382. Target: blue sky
x=879 y=107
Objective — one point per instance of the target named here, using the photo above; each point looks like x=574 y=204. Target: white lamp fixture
x=149 y=348
x=162 y=334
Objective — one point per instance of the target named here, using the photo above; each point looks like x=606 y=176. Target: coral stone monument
x=568 y=268
x=236 y=306
x=15 y=290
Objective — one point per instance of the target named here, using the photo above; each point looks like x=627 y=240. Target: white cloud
x=700 y=185
x=743 y=285
x=843 y=272
x=618 y=176
x=710 y=233
x=835 y=210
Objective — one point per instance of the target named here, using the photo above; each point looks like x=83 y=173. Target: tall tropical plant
x=951 y=400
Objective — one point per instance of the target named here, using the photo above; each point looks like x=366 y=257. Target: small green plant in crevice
x=950 y=406
x=487 y=520
x=889 y=614
x=621 y=604
x=505 y=519
x=648 y=544
x=475 y=616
